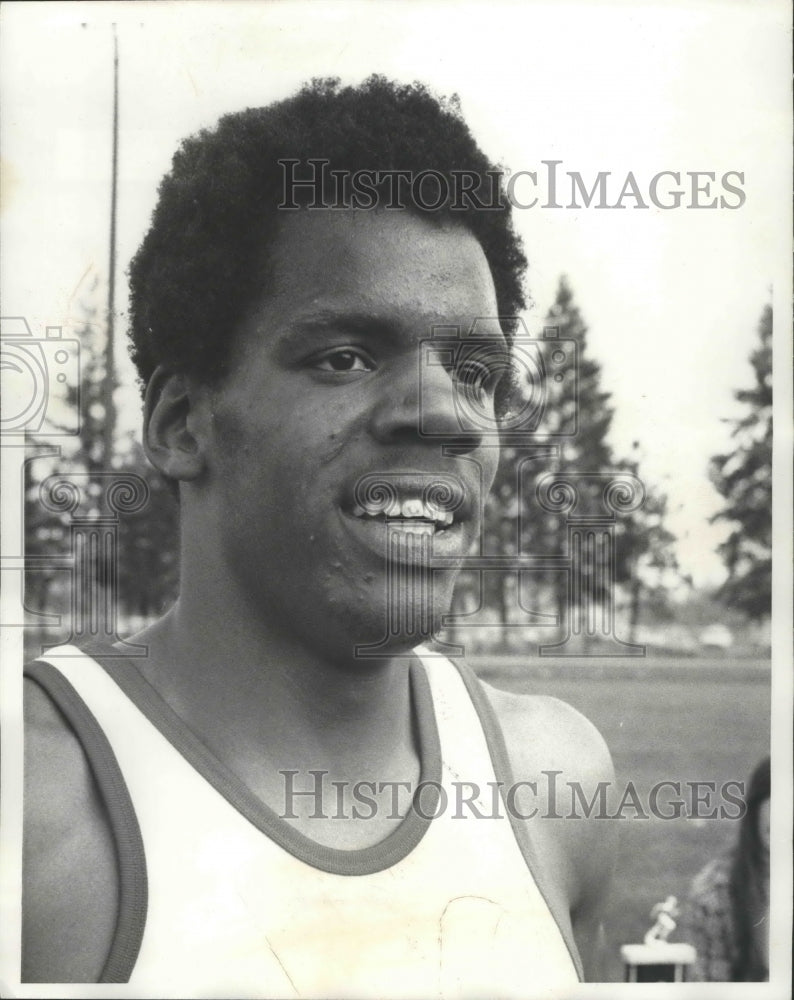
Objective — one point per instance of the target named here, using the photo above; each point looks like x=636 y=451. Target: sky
x=672 y=297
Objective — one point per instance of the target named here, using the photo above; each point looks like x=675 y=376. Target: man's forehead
x=342 y=261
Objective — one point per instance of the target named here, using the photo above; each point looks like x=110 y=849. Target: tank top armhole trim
x=504 y=773
x=131 y=860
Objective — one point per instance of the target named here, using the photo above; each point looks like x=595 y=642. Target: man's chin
x=393 y=628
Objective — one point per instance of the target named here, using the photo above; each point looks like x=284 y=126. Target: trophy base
x=661 y=962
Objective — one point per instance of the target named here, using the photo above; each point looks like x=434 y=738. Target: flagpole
x=110 y=365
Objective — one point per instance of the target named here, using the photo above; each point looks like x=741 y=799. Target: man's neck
x=263 y=704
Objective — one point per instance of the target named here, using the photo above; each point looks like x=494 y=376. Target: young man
x=284 y=798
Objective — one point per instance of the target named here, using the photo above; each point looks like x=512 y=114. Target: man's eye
x=342 y=361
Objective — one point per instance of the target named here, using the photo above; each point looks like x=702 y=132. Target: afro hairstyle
x=201 y=265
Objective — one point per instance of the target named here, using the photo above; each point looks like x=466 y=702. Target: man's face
x=324 y=390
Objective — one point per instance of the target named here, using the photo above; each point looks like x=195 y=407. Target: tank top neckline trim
x=361 y=861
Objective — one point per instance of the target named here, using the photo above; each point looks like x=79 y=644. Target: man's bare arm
x=543 y=734
x=69 y=899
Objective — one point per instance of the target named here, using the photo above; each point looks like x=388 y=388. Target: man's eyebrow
x=304 y=331
x=307 y=331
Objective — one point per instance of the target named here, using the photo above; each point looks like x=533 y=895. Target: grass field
x=706 y=721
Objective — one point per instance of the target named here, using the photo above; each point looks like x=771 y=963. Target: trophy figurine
x=658 y=960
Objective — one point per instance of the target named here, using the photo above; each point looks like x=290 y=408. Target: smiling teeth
x=409 y=510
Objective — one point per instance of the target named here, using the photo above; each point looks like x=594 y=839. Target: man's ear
x=171 y=425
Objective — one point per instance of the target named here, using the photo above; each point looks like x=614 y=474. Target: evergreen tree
x=646 y=557
x=582 y=404
x=515 y=523
x=743 y=477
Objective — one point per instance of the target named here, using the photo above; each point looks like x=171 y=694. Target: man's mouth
x=423 y=504
x=411 y=517
x=411 y=514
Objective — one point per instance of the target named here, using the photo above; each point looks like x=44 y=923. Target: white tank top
x=240 y=904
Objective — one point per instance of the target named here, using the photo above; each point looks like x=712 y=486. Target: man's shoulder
x=54 y=759
x=554 y=746
x=546 y=731
x=57 y=771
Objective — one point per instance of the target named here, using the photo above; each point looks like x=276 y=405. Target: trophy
x=658 y=960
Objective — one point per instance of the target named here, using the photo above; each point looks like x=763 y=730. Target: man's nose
x=424 y=404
